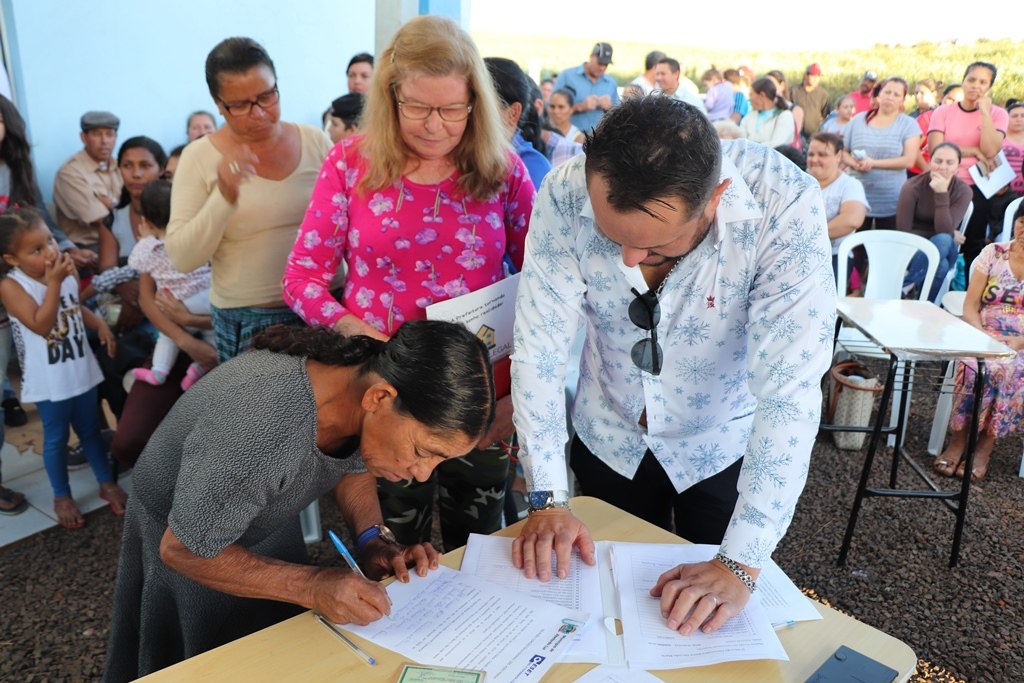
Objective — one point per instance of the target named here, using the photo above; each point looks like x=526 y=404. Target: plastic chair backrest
x=944 y=287
x=889 y=254
x=1007 y=234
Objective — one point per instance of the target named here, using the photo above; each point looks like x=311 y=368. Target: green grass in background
x=841 y=70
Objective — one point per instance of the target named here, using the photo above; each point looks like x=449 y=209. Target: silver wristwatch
x=545 y=500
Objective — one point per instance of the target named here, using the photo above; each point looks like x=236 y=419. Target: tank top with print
x=60 y=365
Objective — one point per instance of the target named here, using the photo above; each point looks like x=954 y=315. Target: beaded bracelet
x=740 y=572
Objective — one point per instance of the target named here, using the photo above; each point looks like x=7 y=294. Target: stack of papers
x=621 y=583
x=488 y=616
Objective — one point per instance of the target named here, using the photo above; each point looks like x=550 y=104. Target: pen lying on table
x=363 y=654
x=349 y=560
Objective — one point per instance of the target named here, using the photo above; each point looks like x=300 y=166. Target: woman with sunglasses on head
x=240 y=194
x=424 y=206
x=978 y=127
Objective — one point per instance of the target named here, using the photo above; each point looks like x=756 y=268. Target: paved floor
x=22 y=466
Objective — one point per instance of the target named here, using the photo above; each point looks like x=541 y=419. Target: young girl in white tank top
x=59 y=371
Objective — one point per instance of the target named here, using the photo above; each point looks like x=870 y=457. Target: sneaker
x=76 y=458
x=14 y=414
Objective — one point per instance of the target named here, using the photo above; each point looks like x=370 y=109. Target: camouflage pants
x=471 y=496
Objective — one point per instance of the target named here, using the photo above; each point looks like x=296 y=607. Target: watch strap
x=366 y=536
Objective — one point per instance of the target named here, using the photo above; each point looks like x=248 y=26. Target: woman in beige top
x=240 y=194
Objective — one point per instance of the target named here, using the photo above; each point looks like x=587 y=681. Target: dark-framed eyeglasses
x=452 y=113
x=645 y=313
x=264 y=101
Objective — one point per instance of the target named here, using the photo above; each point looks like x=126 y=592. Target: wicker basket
x=854 y=387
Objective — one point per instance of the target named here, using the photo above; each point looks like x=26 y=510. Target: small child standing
x=192 y=289
x=60 y=373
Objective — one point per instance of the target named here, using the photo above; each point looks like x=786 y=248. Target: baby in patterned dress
x=192 y=289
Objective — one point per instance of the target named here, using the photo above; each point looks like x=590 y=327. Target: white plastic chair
x=1007 y=234
x=952 y=271
x=889 y=253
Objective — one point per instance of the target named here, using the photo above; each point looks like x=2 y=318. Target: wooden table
x=911 y=332
x=300 y=649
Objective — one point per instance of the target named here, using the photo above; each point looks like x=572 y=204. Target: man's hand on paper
x=703 y=595
x=380 y=559
x=546 y=530
x=344 y=597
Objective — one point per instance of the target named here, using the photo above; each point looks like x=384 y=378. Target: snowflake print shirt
x=405 y=247
x=746 y=328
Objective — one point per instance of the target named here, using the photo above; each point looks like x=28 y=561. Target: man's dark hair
x=655 y=148
x=234 y=56
x=652 y=59
x=673 y=64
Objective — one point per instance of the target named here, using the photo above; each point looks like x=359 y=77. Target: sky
x=750 y=24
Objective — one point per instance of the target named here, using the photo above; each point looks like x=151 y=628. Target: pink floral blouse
x=405 y=247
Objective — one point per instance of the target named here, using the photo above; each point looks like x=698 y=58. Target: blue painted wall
x=143 y=60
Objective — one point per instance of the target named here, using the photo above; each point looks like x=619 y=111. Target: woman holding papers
x=978 y=127
x=425 y=206
x=212 y=548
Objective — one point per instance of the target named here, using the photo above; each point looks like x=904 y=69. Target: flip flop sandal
x=77 y=524
x=946 y=468
x=12 y=502
x=116 y=505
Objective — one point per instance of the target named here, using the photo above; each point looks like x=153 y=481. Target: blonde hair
x=435 y=46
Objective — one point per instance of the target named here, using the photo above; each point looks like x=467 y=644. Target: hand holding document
x=489 y=313
x=448 y=618
x=991 y=180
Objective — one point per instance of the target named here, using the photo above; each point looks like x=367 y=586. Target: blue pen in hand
x=349 y=560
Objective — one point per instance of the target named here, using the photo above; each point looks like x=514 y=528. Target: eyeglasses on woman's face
x=265 y=100
x=452 y=113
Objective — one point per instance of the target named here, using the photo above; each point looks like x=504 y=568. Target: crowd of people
x=262 y=292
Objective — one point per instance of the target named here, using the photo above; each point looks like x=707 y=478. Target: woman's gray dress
x=235 y=461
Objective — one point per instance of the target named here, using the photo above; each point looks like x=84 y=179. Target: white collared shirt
x=747 y=322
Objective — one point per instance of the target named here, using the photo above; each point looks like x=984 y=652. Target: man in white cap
x=862 y=97
x=88 y=185
x=595 y=91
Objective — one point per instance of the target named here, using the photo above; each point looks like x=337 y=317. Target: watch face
x=540 y=499
x=386 y=534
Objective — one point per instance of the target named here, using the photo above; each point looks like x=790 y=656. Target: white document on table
x=617 y=674
x=448 y=618
x=998 y=177
x=490 y=558
x=651 y=645
x=781 y=599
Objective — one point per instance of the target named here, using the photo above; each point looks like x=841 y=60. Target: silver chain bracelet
x=739 y=571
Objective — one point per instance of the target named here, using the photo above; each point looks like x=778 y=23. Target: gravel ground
x=964 y=623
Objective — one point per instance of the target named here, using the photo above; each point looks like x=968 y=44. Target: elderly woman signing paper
x=212 y=549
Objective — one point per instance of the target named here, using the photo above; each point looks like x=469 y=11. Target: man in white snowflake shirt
x=700 y=274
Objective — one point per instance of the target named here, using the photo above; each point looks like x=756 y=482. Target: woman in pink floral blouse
x=425 y=206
